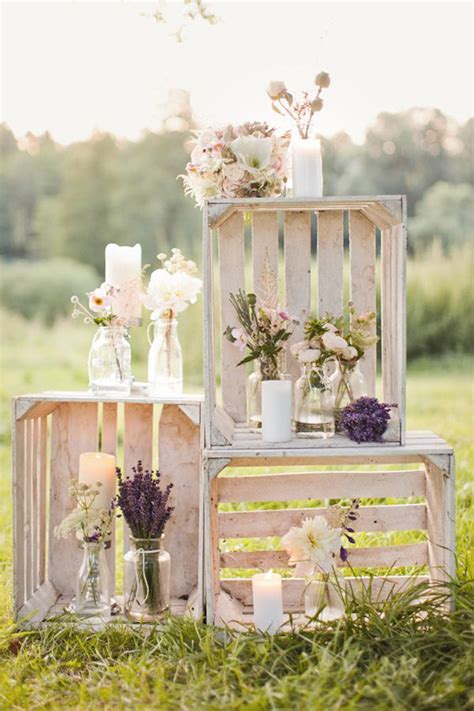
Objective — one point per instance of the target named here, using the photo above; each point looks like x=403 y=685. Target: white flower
x=297 y=347
x=330 y=327
x=171 y=292
x=252 y=153
x=349 y=353
x=233 y=172
x=332 y=342
x=314 y=541
x=276 y=89
x=241 y=338
x=99 y=300
x=310 y=355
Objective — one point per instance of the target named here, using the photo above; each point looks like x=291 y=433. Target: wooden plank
x=330 y=262
x=38 y=605
x=210 y=381
x=297 y=276
x=42 y=408
x=109 y=446
x=73 y=431
x=180 y=464
x=42 y=498
x=35 y=513
x=232 y=278
x=441 y=517
x=264 y=241
x=211 y=543
x=394 y=318
x=19 y=491
x=322 y=485
x=381 y=588
x=276 y=522
x=363 y=284
x=410 y=554
x=29 y=582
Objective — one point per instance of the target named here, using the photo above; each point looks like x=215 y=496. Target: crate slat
x=409 y=554
x=276 y=522
x=264 y=241
x=232 y=278
x=42 y=498
x=363 y=284
x=29 y=507
x=297 y=275
x=109 y=446
x=19 y=486
x=330 y=262
x=441 y=501
x=35 y=455
x=81 y=419
x=322 y=485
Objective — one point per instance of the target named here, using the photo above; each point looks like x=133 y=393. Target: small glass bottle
x=165 y=359
x=315 y=593
x=348 y=385
x=147 y=579
x=110 y=361
x=93 y=592
x=314 y=403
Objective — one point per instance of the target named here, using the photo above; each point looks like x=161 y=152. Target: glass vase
x=315 y=593
x=314 y=403
x=93 y=584
x=306 y=167
x=110 y=361
x=165 y=358
x=147 y=579
x=264 y=370
x=348 y=385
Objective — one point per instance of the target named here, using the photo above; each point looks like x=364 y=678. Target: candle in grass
x=123 y=270
x=95 y=467
x=267 y=601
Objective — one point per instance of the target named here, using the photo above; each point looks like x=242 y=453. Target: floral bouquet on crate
x=92 y=526
x=110 y=354
x=315 y=548
x=144 y=506
x=237 y=162
x=172 y=288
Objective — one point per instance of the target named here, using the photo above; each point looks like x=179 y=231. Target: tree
x=444 y=214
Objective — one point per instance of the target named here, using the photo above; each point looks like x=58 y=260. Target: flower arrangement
x=237 y=161
x=100 y=311
x=89 y=524
x=365 y=420
x=144 y=504
x=319 y=540
x=172 y=287
x=302 y=110
x=264 y=326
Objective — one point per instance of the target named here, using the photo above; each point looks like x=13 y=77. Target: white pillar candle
x=276 y=411
x=267 y=601
x=307 y=167
x=123 y=270
x=97 y=467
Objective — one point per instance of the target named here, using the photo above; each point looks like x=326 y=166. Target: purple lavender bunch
x=351 y=515
x=144 y=504
x=365 y=420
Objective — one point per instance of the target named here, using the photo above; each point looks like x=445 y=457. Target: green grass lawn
x=401 y=657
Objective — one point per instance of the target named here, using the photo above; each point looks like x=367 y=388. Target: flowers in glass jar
x=173 y=287
x=237 y=161
x=89 y=523
x=365 y=420
x=144 y=504
x=302 y=110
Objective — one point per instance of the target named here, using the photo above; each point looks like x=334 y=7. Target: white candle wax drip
x=267 y=601
x=276 y=411
x=307 y=167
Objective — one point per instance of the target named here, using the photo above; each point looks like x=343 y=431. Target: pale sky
x=72 y=67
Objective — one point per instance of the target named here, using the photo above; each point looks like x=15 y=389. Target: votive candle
x=95 y=467
x=276 y=411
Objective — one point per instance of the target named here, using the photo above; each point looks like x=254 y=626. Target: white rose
x=309 y=356
x=330 y=327
x=297 y=347
x=349 y=353
x=333 y=343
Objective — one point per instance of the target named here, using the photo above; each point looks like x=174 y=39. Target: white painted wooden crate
x=50 y=430
x=430 y=476
x=226 y=414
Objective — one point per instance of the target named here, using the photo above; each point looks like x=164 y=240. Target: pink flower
x=241 y=338
x=99 y=300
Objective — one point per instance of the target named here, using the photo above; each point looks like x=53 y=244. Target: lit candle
x=123 y=270
x=276 y=411
x=267 y=601
x=307 y=167
x=97 y=467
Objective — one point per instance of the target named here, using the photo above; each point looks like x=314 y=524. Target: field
x=395 y=660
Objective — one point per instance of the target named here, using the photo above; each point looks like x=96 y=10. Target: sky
x=72 y=67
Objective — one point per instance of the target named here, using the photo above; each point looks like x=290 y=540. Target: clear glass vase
x=314 y=403
x=110 y=361
x=165 y=358
x=93 y=591
x=147 y=579
x=348 y=385
x=264 y=370
x=306 y=167
x=315 y=593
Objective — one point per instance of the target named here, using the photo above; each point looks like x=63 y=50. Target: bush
x=43 y=289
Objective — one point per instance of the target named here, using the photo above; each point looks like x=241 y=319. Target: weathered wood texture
x=330 y=262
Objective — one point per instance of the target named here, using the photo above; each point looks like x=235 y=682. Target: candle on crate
x=267 y=601
x=123 y=270
x=306 y=167
x=276 y=410
x=97 y=467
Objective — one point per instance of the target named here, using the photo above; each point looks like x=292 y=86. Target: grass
x=394 y=656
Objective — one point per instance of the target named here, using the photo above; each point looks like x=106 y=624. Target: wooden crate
x=50 y=430
x=367 y=217
x=430 y=476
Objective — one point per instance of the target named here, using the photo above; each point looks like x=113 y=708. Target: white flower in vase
x=310 y=355
x=349 y=353
x=314 y=541
x=252 y=152
x=171 y=292
x=333 y=342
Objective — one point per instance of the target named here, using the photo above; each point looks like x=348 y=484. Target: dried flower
x=365 y=420
x=276 y=89
x=144 y=504
x=88 y=523
x=302 y=109
x=322 y=80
